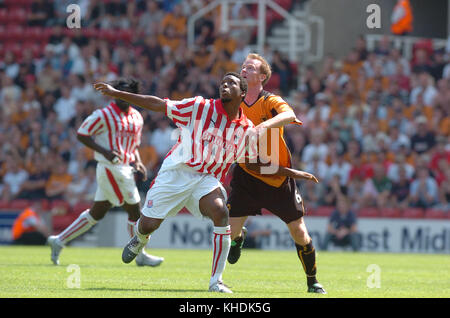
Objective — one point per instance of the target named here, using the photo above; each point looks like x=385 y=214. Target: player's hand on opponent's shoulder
x=105 y=89
x=306 y=176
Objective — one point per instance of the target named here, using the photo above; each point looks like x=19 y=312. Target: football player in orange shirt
x=253 y=190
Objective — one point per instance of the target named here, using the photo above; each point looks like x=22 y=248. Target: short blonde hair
x=264 y=68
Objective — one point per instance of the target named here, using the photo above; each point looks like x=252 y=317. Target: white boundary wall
x=379 y=235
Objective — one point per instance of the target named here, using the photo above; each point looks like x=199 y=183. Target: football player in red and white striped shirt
x=212 y=137
x=114 y=133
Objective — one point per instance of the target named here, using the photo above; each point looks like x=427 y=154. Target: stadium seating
x=60 y=205
x=80 y=207
x=413 y=213
x=369 y=213
x=19 y=204
x=390 y=213
x=321 y=211
x=436 y=214
x=61 y=221
x=4 y=204
x=274 y=82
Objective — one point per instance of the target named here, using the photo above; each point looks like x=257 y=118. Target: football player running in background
x=253 y=190
x=114 y=133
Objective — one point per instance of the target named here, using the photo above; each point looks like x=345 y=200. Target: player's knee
x=219 y=215
x=298 y=232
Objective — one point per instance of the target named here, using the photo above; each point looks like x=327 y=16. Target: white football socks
x=143 y=238
x=83 y=223
x=221 y=246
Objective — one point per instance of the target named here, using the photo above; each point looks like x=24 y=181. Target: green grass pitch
x=27 y=272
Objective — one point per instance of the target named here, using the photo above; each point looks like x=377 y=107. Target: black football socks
x=307 y=256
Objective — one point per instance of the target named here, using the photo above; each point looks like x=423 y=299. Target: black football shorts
x=249 y=195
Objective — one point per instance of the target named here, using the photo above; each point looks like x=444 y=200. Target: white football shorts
x=174 y=189
x=116 y=184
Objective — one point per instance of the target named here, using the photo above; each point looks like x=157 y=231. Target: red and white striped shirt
x=208 y=141
x=116 y=130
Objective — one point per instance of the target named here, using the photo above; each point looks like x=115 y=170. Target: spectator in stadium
x=282 y=67
x=255 y=234
x=424 y=191
x=423 y=139
x=83 y=186
x=41 y=14
x=334 y=190
x=115 y=178
x=424 y=86
x=59 y=180
x=15 y=175
x=393 y=171
x=34 y=187
x=316 y=146
x=65 y=105
x=399 y=193
x=320 y=112
x=163 y=138
x=29 y=228
x=377 y=189
x=150 y=20
x=176 y=19
x=342 y=229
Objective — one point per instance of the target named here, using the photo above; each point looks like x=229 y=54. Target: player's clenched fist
x=105 y=89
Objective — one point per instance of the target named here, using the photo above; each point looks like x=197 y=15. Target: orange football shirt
x=268 y=106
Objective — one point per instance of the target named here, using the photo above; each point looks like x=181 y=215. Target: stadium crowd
x=376 y=127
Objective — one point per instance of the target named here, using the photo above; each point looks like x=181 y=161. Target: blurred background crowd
x=376 y=126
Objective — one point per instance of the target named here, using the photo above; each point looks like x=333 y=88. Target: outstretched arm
x=279 y=120
x=283 y=171
x=149 y=102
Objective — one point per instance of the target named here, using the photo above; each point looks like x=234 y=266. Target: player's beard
x=226 y=100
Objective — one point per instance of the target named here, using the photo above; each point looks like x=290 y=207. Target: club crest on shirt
x=149 y=203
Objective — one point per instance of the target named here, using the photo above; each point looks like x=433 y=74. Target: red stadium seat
x=322 y=211
x=413 y=213
x=369 y=213
x=15 y=33
x=90 y=32
x=390 y=213
x=60 y=205
x=273 y=83
x=19 y=204
x=4 y=204
x=124 y=35
x=61 y=221
x=80 y=207
x=17 y=16
x=436 y=214
x=4 y=17
x=3 y=34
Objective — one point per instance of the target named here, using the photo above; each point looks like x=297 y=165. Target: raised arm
x=282 y=171
x=149 y=102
